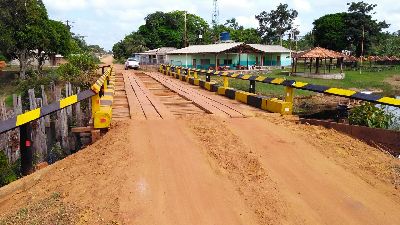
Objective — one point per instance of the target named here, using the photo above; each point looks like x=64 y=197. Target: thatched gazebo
x=321 y=57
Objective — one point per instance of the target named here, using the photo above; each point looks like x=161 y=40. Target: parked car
x=132 y=63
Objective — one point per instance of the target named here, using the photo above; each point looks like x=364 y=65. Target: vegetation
x=275 y=24
x=26 y=31
x=350 y=30
x=8 y=172
x=80 y=70
x=370 y=115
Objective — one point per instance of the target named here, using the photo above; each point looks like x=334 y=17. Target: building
x=235 y=55
x=154 y=56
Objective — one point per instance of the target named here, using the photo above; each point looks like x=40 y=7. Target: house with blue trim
x=231 y=55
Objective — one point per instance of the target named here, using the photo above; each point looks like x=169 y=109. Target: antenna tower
x=215 y=15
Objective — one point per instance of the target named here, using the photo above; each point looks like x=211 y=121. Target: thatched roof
x=351 y=58
x=319 y=52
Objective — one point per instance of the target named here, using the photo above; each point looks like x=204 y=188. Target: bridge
x=183 y=150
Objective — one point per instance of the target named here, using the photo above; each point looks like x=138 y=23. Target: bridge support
x=252 y=88
x=289 y=94
x=26 y=149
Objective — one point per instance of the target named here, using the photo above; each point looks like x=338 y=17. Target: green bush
x=370 y=116
x=80 y=70
x=7 y=173
x=3 y=58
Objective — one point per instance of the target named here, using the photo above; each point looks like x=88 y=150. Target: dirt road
x=207 y=169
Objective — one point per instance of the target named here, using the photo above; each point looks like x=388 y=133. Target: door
x=194 y=65
x=278 y=60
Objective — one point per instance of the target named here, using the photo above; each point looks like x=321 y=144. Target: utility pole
x=69 y=24
x=362 y=48
x=185 y=35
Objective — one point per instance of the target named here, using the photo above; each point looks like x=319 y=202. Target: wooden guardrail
x=288 y=84
x=101 y=93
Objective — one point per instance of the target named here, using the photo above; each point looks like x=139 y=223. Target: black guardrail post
x=26 y=149
x=208 y=77
x=252 y=88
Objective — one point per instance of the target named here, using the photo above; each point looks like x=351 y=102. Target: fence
x=100 y=96
x=274 y=105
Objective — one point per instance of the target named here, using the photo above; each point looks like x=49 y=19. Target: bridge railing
x=101 y=94
x=284 y=107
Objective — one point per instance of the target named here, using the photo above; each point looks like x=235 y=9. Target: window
x=204 y=62
x=227 y=61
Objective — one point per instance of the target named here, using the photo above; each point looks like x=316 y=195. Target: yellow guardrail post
x=226 y=82
x=95 y=104
x=289 y=94
x=195 y=75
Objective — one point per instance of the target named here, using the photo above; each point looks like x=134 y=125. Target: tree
x=55 y=39
x=330 y=31
x=275 y=24
x=306 y=42
x=132 y=43
x=21 y=23
x=167 y=29
x=239 y=33
x=387 y=44
x=362 y=30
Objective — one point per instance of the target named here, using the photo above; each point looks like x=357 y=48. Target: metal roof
x=214 y=48
x=223 y=47
x=270 y=48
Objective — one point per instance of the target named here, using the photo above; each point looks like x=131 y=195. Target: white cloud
x=66 y=5
x=302 y=5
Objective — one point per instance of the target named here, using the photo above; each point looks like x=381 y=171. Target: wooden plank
x=209 y=104
x=135 y=110
x=158 y=106
x=81 y=129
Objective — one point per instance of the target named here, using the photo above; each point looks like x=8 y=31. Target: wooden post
x=311 y=61
x=78 y=111
x=341 y=65
x=317 y=65
x=68 y=92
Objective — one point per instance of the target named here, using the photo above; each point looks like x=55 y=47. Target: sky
x=105 y=22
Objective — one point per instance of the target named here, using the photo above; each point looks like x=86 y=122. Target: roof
x=214 y=48
x=158 y=51
x=225 y=47
x=319 y=52
x=270 y=48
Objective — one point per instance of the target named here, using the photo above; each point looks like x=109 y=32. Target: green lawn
x=353 y=80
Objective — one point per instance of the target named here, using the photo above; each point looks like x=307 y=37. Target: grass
x=354 y=80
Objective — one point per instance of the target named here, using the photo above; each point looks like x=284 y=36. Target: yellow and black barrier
x=38 y=113
x=300 y=85
x=103 y=100
x=43 y=111
x=261 y=102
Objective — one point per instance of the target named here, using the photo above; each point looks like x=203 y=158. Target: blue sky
x=105 y=22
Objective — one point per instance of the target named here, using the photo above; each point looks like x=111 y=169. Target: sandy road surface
x=204 y=169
